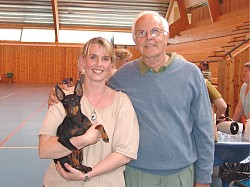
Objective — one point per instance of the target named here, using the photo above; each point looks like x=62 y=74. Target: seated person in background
x=216 y=99
x=242 y=111
x=219 y=103
x=204 y=67
x=122 y=57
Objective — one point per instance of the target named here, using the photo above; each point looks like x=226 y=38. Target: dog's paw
x=105 y=139
x=103 y=133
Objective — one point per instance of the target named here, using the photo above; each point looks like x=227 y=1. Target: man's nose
x=148 y=35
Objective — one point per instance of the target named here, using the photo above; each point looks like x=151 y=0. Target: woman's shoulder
x=118 y=96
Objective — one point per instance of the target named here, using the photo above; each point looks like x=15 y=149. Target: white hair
x=163 y=20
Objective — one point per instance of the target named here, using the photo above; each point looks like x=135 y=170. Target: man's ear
x=59 y=93
x=166 y=39
x=78 y=89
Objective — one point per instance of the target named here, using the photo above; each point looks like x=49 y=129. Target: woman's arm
x=49 y=147
x=109 y=164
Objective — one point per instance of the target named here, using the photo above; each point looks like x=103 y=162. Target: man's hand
x=52 y=98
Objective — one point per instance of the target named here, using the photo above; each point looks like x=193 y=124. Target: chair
x=9 y=77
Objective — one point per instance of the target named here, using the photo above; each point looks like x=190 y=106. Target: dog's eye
x=65 y=104
x=75 y=101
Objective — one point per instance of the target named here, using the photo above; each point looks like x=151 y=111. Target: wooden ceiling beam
x=182 y=22
x=55 y=18
x=214 y=10
x=170 y=8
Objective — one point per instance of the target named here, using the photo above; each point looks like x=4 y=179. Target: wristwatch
x=86 y=177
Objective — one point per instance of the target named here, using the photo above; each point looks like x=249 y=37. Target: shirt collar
x=143 y=68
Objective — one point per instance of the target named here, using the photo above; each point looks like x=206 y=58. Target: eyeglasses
x=153 y=33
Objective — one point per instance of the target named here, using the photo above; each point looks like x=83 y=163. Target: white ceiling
x=109 y=15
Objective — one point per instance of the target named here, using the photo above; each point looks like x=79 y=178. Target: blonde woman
x=103 y=105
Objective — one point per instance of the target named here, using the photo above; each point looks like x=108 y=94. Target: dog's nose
x=70 y=115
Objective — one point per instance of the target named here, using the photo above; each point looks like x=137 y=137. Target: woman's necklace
x=93 y=114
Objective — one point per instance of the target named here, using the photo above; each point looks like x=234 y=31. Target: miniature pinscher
x=74 y=124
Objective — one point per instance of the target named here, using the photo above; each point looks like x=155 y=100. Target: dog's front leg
x=103 y=133
x=66 y=143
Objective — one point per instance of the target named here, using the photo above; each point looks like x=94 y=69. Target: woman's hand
x=72 y=175
x=92 y=135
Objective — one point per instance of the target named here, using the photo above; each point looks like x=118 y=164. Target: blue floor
x=22 y=109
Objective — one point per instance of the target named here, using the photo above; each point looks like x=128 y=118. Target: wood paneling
x=233 y=5
x=230 y=79
x=42 y=64
x=200 y=14
x=190 y=3
x=31 y=64
x=228 y=6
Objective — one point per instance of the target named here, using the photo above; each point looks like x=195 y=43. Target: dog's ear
x=59 y=93
x=78 y=89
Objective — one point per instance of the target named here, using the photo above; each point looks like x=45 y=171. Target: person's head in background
x=122 y=57
x=204 y=66
x=246 y=73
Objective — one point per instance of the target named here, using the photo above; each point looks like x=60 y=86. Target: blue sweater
x=175 y=120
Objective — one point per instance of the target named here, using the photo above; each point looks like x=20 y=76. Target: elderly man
x=170 y=98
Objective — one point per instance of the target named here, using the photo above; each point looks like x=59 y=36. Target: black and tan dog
x=74 y=124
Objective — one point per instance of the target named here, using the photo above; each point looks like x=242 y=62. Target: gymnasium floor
x=22 y=109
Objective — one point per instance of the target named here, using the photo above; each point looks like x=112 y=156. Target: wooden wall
x=233 y=5
x=228 y=6
x=230 y=78
x=41 y=64
x=38 y=64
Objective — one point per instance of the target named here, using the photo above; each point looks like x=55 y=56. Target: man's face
x=150 y=46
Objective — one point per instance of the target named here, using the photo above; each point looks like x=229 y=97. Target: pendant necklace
x=93 y=114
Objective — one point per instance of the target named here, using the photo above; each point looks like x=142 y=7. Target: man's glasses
x=153 y=33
